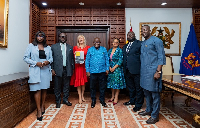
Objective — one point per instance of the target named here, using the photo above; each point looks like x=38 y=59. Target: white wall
x=183 y=15
x=11 y=60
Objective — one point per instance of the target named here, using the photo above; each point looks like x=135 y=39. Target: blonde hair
x=84 y=42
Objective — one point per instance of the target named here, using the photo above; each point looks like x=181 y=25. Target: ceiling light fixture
x=81 y=3
x=164 y=3
x=44 y=4
x=118 y=3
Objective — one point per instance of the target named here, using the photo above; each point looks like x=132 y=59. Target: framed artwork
x=4 y=23
x=169 y=33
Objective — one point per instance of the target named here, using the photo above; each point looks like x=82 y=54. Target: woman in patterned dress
x=116 y=79
x=79 y=77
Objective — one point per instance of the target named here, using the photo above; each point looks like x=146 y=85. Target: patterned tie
x=63 y=54
x=128 y=47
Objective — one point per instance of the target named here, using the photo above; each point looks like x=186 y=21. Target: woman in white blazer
x=39 y=57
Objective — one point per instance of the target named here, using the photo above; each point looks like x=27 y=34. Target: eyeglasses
x=116 y=42
x=62 y=36
x=40 y=36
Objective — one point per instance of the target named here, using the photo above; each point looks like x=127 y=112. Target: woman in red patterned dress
x=79 y=77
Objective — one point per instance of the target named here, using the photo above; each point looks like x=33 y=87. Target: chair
x=167 y=70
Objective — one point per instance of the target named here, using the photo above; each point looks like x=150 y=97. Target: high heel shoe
x=40 y=118
x=114 y=103
x=43 y=112
x=111 y=100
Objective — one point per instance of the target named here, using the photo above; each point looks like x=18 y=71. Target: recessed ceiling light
x=164 y=3
x=81 y=3
x=44 y=4
x=118 y=3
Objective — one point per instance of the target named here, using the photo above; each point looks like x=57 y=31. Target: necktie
x=128 y=47
x=63 y=54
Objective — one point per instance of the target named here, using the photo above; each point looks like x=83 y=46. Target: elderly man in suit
x=131 y=62
x=62 y=68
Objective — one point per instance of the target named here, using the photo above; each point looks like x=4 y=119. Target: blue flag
x=190 y=60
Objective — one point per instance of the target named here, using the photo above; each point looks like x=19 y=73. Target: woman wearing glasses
x=39 y=57
x=116 y=79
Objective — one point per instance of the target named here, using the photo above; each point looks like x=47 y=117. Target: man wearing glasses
x=97 y=66
x=62 y=68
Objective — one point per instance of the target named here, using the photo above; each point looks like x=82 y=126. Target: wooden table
x=188 y=87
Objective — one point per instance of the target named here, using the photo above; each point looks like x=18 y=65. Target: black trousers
x=58 y=84
x=135 y=91
x=101 y=78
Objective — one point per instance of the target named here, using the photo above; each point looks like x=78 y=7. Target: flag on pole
x=190 y=59
x=131 y=30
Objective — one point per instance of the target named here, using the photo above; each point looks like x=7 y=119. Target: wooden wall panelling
x=196 y=22
x=48 y=23
x=113 y=18
x=35 y=21
x=117 y=26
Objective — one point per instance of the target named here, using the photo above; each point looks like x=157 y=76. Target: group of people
x=138 y=66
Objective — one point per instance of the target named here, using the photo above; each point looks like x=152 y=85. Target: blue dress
x=152 y=55
x=116 y=79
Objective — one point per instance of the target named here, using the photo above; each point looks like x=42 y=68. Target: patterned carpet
x=113 y=116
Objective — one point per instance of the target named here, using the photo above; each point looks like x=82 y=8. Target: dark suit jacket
x=132 y=59
x=57 y=64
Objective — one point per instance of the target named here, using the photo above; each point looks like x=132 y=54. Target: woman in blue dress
x=116 y=79
x=39 y=57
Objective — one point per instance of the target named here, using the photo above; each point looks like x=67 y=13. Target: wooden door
x=89 y=32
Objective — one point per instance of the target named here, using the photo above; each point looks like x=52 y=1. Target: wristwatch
x=158 y=71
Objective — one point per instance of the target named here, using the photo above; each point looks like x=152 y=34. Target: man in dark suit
x=131 y=62
x=62 y=68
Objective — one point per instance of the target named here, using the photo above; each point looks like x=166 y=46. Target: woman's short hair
x=117 y=39
x=35 y=42
x=84 y=42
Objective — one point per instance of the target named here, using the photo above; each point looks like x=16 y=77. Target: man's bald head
x=131 y=36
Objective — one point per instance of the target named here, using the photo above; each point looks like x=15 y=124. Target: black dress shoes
x=103 y=103
x=135 y=109
x=57 y=105
x=93 y=104
x=144 y=113
x=129 y=103
x=152 y=120
x=40 y=118
x=67 y=103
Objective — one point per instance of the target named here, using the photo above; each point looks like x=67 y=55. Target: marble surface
x=11 y=77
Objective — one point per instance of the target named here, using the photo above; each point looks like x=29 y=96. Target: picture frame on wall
x=169 y=33
x=4 y=7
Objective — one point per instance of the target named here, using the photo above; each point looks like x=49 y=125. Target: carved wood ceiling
x=125 y=3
